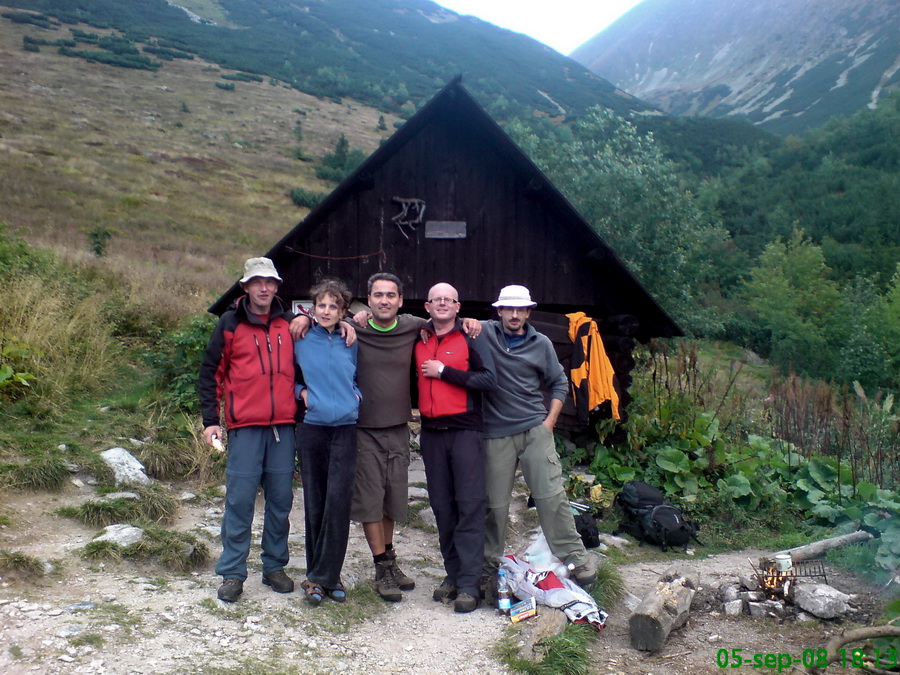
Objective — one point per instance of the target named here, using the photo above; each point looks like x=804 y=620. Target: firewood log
x=665 y=608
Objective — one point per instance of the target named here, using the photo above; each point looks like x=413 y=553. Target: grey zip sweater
x=523 y=372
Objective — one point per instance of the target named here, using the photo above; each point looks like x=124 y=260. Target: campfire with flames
x=777 y=575
x=776 y=583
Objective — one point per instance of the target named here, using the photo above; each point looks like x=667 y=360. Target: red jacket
x=454 y=399
x=251 y=366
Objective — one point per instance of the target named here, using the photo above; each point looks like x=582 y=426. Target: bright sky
x=561 y=24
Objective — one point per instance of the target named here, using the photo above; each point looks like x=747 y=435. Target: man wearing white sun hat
x=518 y=428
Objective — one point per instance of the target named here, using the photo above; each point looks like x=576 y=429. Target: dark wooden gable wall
x=511 y=237
x=519 y=228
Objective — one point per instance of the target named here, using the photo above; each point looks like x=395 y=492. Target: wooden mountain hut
x=450 y=197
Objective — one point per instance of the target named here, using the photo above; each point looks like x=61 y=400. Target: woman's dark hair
x=333 y=287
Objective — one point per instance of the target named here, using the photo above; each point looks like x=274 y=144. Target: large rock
x=127 y=469
x=123 y=535
x=821 y=600
x=426 y=515
x=547 y=624
x=417 y=494
x=730 y=592
x=612 y=540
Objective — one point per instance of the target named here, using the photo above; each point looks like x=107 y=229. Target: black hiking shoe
x=465 y=603
x=385 y=584
x=231 y=590
x=279 y=581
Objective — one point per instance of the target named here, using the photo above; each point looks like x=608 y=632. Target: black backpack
x=586 y=527
x=648 y=518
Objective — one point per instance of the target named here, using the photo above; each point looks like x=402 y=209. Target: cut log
x=621 y=362
x=621 y=324
x=618 y=343
x=818 y=548
x=663 y=609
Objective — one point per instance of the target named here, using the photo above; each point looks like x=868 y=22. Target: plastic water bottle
x=504 y=601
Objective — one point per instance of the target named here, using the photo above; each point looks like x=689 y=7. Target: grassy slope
x=188 y=195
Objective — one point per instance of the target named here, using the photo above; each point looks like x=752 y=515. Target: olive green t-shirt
x=383 y=372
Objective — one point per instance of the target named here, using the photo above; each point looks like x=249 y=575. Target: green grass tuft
x=564 y=654
x=21 y=564
x=103 y=550
x=609 y=587
x=47 y=473
x=176 y=551
x=101 y=514
x=87 y=639
x=155 y=505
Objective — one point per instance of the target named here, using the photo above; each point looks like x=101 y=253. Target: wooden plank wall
x=511 y=237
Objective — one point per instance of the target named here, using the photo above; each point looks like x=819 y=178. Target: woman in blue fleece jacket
x=326 y=440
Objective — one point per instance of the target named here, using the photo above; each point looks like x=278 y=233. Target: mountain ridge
x=785 y=66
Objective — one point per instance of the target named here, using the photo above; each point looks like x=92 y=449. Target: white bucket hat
x=259 y=267
x=514 y=296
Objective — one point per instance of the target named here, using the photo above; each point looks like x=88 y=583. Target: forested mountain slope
x=386 y=53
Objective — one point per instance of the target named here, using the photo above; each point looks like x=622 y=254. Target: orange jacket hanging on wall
x=592 y=373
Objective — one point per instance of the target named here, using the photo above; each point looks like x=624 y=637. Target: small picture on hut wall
x=301 y=306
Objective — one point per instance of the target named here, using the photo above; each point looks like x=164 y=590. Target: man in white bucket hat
x=518 y=428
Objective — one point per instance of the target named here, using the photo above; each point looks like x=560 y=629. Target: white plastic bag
x=547 y=589
x=539 y=556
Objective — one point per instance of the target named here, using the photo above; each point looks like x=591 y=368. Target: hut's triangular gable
x=491 y=218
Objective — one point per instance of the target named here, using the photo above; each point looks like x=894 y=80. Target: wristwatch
x=440 y=370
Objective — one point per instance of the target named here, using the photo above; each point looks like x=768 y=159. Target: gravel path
x=129 y=618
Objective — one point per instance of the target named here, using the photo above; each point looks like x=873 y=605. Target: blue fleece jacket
x=326 y=367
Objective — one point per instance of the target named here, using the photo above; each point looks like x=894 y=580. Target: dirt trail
x=127 y=618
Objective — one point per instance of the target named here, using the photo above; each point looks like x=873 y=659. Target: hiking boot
x=488 y=589
x=279 y=581
x=465 y=603
x=404 y=582
x=445 y=592
x=231 y=590
x=586 y=573
x=385 y=584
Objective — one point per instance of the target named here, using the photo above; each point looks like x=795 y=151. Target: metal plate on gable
x=445 y=229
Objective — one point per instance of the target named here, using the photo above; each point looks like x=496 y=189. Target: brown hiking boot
x=405 y=583
x=445 y=592
x=585 y=574
x=488 y=589
x=385 y=584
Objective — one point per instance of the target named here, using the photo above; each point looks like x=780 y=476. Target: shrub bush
x=176 y=360
x=307 y=198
